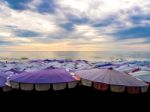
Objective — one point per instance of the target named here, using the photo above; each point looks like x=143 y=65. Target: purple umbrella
x=36 y=61
x=42 y=80
x=14 y=71
x=2 y=81
x=49 y=60
x=50 y=67
x=103 y=65
x=4 y=87
x=102 y=78
x=13 y=62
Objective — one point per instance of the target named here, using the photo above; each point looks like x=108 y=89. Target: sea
x=76 y=55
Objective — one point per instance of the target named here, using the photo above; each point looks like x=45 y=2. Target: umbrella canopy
x=127 y=68
x=142 y=75
x=2 y=81
x=103 y=65
x=102 y=78
x=36 y=61
x=42 y=80
x=145 y=68
x=4 y=87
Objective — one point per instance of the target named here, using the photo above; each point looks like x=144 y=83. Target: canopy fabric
x=103 y=65
x=110 y=76
x=43 y=76
x=2 y=80
x=138 y=73
x=36 y=61
x=145 y=78
x=126 y=68
x=143 y=75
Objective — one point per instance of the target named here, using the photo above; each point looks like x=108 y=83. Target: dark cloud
x=7 y=42
x=138 y=19
x=47 y=6
x=135 y=32
x=26 y=33
x=69 y=26
x=18 y=4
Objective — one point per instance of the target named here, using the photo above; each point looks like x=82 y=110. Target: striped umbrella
x=118 y=81
x=41 y=80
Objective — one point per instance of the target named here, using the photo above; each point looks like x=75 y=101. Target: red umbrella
x=118 y=81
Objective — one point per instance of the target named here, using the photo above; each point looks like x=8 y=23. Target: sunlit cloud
x=74 y=25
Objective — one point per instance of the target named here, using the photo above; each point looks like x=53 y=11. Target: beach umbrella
x=35 y=61
x=55 y=64
x=80 y=65
x=69 y=65
x=14 y=70
x=142 y=75
x=118 y=81
x=145 y=68
x=127 y=68
x=3 y=85
x=42 y=79
x=119 y=63
x=103 y=65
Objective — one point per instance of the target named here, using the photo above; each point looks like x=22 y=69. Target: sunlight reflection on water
x=86 y=55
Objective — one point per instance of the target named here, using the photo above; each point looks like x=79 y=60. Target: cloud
x=4 y=42
x=135 y=32
x=100 y=9
x=46 y=6
x=17 y=4
x=28 y=20
x=74 y=24
x=26 y=33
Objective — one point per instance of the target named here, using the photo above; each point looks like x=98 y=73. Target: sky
x=74 y=25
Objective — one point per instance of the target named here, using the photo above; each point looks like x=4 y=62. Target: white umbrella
x=126 y=68
x=142 y=75
x=118 y=81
